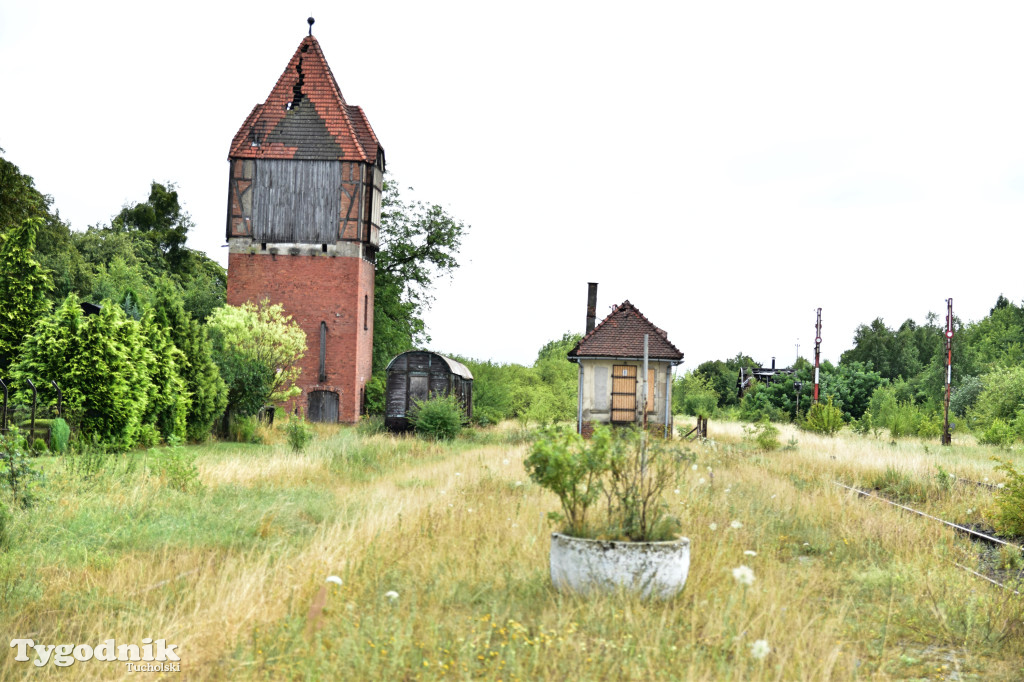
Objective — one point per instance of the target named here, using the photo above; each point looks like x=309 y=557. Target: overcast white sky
x=728 y=167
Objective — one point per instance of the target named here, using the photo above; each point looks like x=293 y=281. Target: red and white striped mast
x=947 y=437
x=817 y=354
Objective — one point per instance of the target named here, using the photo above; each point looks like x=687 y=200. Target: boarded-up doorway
x=323 y=407
x=623 y=394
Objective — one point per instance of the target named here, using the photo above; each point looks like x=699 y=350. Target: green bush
x=929 y=427
x=16 y=469
x=39 y=446
x=865 y=426
x=826 y=418
x=299 y=433
x=149 y=435
x=440 y=417
x=376 y=390
x=60 y=434
x=244 y=430
x=763 y=435
x=1010 y=501
x=998 y=433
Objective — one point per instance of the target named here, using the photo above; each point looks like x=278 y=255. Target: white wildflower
x=677 y=491
x=735 y=525
x=1001 y=485
x=391 y=594
x=969 y=511
x=744 y=575
x=457 y=473
x=760 y=649
x=750 y=552
x=728 y=489
x=694 y=467
x=713 y=526
x=518 y=483
x=334 y=579
x=504 y=461
x=700 y=481
x=773 y=497
x=470 y=510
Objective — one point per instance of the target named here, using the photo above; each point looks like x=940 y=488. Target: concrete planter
x=650 y=569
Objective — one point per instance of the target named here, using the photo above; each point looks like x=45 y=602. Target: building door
x=323 y=407
x=623 y=394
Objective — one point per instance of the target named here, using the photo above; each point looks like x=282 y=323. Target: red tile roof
x=621 y=335
x=306 y=117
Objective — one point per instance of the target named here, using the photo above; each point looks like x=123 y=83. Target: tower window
x=323 y=352
x=366 y=311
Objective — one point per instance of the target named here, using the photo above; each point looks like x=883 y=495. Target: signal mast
x=947 y=437
x=817 y=354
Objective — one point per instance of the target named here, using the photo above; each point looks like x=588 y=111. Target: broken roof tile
x=306 y=117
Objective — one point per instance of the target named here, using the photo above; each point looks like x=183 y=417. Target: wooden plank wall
x=297 y=201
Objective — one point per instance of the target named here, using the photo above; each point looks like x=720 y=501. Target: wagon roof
x=621 y=335
x=306 y=117
x=454 y=366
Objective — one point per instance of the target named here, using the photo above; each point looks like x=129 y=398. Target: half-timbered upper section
x=306 y=167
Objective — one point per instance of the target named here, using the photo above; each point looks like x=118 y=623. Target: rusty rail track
x=962 y=529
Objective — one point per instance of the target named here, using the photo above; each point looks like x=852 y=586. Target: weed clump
x=299 y=434
x=763 y=435
x=1010 y=501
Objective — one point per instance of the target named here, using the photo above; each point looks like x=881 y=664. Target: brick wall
x=337 y=290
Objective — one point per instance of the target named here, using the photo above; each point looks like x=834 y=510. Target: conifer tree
x=24 y=285
x=201 y=376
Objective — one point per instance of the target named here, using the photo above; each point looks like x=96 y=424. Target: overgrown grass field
x=442 y=550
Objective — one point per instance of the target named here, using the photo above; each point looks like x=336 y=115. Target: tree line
x=165 y=359
x=891 y=378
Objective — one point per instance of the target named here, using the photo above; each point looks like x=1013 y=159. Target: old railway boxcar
x=418 y=375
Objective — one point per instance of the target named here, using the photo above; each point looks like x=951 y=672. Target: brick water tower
x=304 y=201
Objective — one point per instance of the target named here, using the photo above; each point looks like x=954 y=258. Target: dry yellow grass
x=844 y=588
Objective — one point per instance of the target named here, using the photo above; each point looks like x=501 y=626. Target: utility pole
x=817 y=354
x=797 y=349
x=947 y=437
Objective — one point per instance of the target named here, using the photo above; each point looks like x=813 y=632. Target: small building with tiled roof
x=612 y=385
x=303 y=221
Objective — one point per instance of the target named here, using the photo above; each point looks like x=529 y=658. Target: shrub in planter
x=621 y=476
x=619 y=471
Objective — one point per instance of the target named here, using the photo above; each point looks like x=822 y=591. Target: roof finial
x=310 y=22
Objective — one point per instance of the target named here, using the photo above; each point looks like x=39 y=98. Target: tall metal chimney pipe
x=591 y=306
